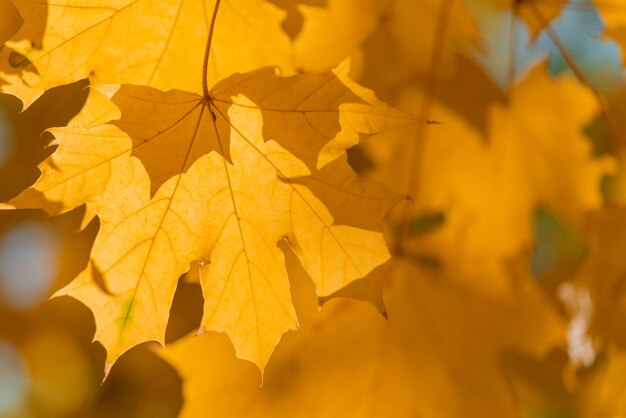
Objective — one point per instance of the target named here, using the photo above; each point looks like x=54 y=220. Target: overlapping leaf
x=393 y=45
x=439 y=354
x=179 y=177
x=149 y=42
x=489 y=186
x=248 y=175
x=327 y=37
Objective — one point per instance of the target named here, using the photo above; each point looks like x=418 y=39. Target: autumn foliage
x=312 y=208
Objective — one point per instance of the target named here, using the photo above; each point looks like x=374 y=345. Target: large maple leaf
x=150 y=42
x=220 y=178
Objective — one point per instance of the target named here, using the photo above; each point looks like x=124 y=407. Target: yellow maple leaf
x=392 y=44
x=150 y=42
x=488 y=186
x=180 y=177
x=327 y=37
x=438 y=354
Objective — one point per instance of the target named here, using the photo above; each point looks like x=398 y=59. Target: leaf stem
x=421 y=136
x=207 y=51
x=512 y=48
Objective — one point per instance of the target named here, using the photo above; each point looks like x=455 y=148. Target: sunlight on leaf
x=158 y=215
x=105 y=41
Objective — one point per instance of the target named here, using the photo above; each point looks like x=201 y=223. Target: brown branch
x=579 y=73
x=431 y=87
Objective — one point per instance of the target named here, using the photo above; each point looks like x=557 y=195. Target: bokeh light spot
x=60 y=374
x=28 y=265
x=13 y=379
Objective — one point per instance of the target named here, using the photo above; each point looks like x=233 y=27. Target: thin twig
x=207 y=51
x=578 y=72
x=432 y=85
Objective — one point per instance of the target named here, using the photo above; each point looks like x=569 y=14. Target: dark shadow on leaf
x=12 y=21
x=301 y=113
x=345 y=194
x=292 y=24
x=368 y=288
x=171 y=130
x=31 y=29
x=27 y=141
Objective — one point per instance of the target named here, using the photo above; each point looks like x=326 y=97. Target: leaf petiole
x=207 y=51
